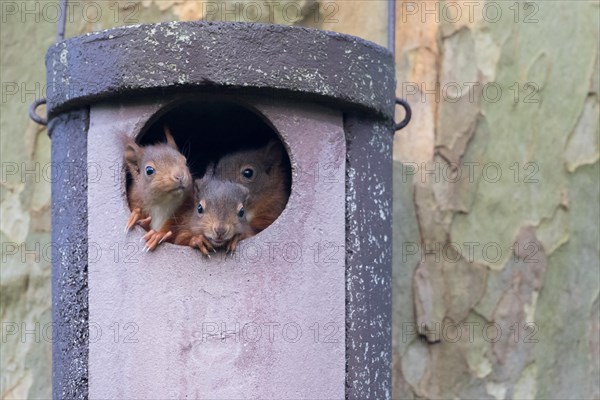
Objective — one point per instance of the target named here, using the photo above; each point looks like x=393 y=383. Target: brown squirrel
x=265 y=172
x=161 y=187
x=219 y=217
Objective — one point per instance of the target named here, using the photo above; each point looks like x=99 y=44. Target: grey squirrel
x=161 y=187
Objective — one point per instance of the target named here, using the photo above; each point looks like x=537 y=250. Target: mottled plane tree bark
x=496 y=244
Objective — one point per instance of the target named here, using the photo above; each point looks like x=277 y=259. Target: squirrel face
x=264 y=173
x=164 y=174
x=220 y=213
x=161 y=181
x=160 y=173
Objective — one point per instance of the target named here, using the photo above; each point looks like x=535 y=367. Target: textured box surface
x=266 y=323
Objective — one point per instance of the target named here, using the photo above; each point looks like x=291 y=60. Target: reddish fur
x=146 y=194
x=267 y=209
x=269 y=189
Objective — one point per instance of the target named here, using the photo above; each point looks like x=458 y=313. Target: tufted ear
x=208 y=175
x=273 y=154
x=169 y=137
x=210 y=171
x=132 y=155
x=198 y=185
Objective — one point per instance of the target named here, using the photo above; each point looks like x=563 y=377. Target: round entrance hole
x=230 y=143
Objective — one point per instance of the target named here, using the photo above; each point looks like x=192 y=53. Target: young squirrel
x=219 y=217
x=265 y=172
x=161 y=187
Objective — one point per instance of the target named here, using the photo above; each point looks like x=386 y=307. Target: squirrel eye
x=241 y=212
x=248 y=173
x=149 y=170
x=200 y=208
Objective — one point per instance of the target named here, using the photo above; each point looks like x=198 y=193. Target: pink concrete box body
x=267 y=322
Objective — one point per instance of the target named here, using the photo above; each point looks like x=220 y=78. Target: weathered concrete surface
x=368 y=257
x=268 y=323
x=70 y=309
x=328 y=66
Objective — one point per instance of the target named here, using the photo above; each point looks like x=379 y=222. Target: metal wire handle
x=33 y=115
x=407 y=114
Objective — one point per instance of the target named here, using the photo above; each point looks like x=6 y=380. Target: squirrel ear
x=198 y=185
x=210 y=171
x=273 y=154
x=169 y=137
x=208 y=175
x=133 y=155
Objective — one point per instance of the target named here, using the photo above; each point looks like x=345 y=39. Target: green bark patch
x=567 y=304
x=530 y=123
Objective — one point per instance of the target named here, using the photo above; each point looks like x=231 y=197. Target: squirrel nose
x=220 y=230
x=179 y=178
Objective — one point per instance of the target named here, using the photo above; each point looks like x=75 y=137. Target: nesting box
x=302 y=309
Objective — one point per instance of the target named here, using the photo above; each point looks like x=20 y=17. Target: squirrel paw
x=233 y=244
x=202 y=244
x=145 y=223
x=154 y=238
x=135 y=216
